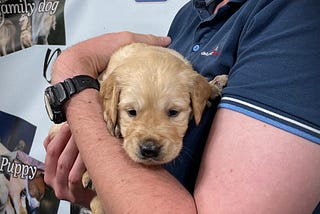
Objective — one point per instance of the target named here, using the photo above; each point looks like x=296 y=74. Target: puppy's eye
x=132 y=112
x=23 y=193
x=172 y=113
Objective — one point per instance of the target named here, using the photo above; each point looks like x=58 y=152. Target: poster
x=22 y=187
x=25 y=23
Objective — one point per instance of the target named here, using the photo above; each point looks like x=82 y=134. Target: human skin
x=248 y=166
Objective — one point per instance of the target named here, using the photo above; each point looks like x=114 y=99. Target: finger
x=152 y=39
x=54 y=150
x=66 y=162
x=60 y=180
x=47 y=141
x=49 y=138
x=68 y=185
x=96 y=52
x=75 y=183
x=75 y=175
x=54 y=129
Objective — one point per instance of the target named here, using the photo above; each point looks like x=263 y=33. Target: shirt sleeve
x=276 y=77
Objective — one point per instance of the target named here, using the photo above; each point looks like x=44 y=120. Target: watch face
x=48 y=106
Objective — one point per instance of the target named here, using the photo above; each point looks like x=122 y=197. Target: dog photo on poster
x=24 y=23
x=22 y=187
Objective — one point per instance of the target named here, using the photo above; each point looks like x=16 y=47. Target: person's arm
x=252 y=167
x=241 y=171
x=122 y=185
x=64 y=168
x=91 y=56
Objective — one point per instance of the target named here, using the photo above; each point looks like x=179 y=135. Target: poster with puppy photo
x=22 y=187
x=24 y=23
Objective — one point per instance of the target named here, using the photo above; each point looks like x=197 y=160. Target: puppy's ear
x=110 y=93
x=200 y=92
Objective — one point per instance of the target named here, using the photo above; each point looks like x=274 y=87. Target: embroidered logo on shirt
x=213 y=52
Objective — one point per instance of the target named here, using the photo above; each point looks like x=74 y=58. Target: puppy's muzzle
x=150 y=149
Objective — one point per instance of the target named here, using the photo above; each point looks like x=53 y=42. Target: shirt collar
x=202 y=6
x=208 y=2
x=205 y=3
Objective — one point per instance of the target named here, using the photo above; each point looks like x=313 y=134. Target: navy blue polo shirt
x=271 y=52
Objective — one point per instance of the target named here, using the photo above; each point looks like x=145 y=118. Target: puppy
x=149 y=95
x=12 y=199
x=42 y=23
x=4 y=184
x=19 y=195
x=25 y=35
x=7 y=34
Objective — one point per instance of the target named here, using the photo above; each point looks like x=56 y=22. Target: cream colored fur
x=7 y=34
x=149 y=94
x=25 y=35
x=154 y=82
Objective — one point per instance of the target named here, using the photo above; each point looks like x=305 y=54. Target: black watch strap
x=56 y=95
x=78 y=83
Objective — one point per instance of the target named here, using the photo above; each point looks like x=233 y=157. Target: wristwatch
x=57 y=95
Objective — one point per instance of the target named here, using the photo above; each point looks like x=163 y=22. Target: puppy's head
x=148 y=95
x=23 y=20
x=36 y=190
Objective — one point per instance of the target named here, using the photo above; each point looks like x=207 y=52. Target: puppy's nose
x=150 y=149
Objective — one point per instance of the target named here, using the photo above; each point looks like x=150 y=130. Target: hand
x=64 y=168
x=91 y=57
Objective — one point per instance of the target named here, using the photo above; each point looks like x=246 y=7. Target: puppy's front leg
x=96 y=206
x=86 y=180
x=217 y=84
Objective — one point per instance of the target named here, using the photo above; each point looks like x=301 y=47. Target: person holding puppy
x=261 y=151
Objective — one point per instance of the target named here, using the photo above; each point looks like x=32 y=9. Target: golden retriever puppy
x=7 y=34
x=25 y=33
x=149 y=94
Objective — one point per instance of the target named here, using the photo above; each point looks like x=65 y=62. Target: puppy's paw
x=86 y=180
x=54 y=129
x=112 y=128
x=217 y=84
x=96 y=206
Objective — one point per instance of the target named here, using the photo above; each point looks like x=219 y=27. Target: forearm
x=88 y=56
x=91 y=56
x=121 y=184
